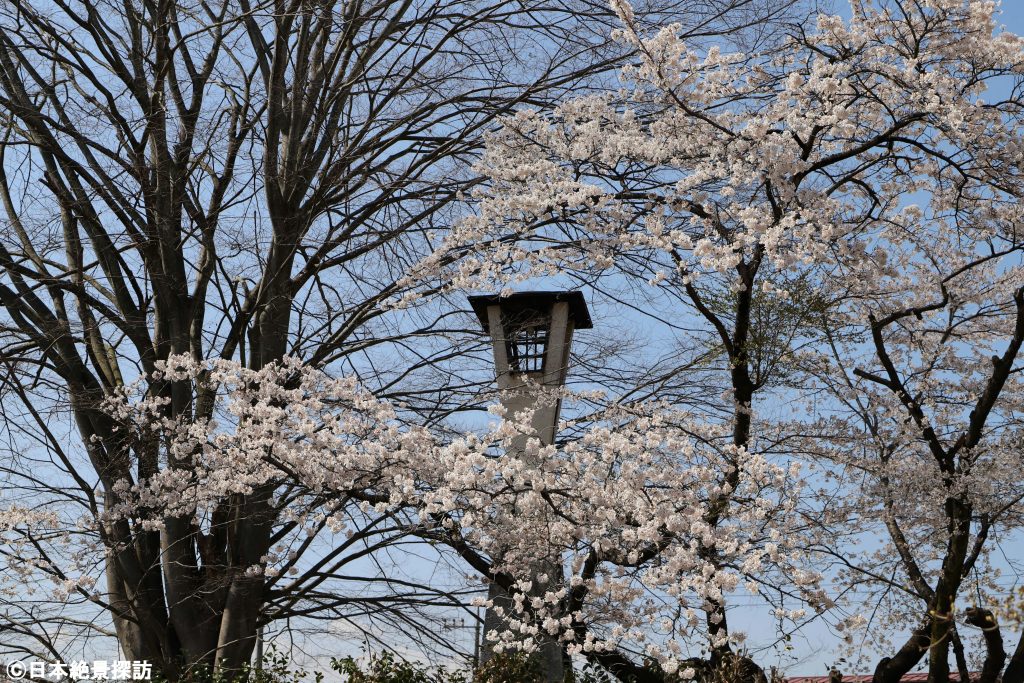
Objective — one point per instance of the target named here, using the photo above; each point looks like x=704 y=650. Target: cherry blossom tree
x=238 y=181
x=625 y=505
x=842 y=214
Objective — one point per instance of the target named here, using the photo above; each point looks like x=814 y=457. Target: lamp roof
x=534 y=301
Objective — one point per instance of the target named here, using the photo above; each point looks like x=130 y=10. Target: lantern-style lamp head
x=531 y=333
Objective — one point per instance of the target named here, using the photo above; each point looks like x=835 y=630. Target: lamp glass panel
x=526 y=340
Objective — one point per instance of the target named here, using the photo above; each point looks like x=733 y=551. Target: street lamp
x=531 y=333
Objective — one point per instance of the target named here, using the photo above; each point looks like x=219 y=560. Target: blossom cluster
x=619 y=514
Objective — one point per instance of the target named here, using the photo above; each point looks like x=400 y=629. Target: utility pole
x=259 y=649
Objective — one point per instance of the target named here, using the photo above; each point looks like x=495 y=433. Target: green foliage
x=509 y=668
x=504 y=668
x=385 y=668
x=276 y=668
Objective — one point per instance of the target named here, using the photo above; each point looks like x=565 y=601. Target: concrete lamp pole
x=531 y=333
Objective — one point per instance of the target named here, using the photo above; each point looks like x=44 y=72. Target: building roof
x=913 y=677
x=534 y=301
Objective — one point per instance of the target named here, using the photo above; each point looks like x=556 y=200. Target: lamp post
x=531 y=333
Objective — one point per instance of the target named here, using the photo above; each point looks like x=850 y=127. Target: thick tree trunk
x=136 y=643
x=892 y=669
x=995 y=655
x=239 y=623
x=240 y=618
x=958 y=515
x=1015 y=668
